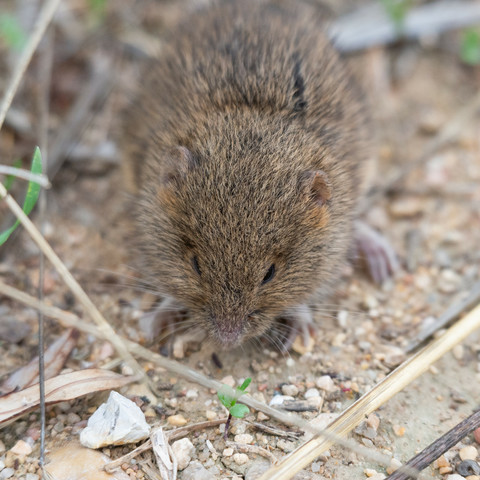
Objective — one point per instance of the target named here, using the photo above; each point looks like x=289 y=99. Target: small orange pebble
x=262 y=387
x=476 y=435
x=399 y=430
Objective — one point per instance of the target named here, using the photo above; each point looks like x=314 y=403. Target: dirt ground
x=432 y=219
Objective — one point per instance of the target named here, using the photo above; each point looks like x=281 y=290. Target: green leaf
x=225 y=397
x=11 y=32
x=470 y=47
x=31 y=196
x=239 y=410
x=397 y=11
x=10 y=179
x=245 y=384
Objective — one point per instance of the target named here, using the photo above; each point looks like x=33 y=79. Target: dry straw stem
x=82 y=297
x=44 y=18
x=68 y=320
x=381 y=393
x=42 y=180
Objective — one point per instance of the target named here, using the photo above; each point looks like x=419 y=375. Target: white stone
x=7 y=473
x=116 y=422
x=244 y=438
x=279 y=400
x=183 y=450
x=227 y=452
x=468 y=453
x=191 y=394
x=228 y=380
x=312 y=392
x=290 y=390
x=325 y=383
x=455 y=476
x=240 y=458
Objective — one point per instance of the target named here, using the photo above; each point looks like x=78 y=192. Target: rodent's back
x=246 y=146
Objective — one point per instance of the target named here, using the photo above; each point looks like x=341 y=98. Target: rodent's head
x=240 y=232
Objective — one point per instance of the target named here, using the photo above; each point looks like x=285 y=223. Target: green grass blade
x=31 y=197
x=245 y=384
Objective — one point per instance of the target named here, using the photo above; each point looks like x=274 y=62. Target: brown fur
x=259 y=102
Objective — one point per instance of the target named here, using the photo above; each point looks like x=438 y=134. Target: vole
x=246 y=150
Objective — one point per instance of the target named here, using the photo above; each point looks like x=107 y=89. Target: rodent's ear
x=316 y=185
x=177 y=162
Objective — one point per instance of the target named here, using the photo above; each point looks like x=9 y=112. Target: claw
x=163 y=317
x=381 y=260
x=300 y=321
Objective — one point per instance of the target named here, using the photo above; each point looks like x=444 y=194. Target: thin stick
x=245 y=448
x=440 y=446
x=44 y=18
x=42 y=180
x=70 y=281
x=45 y=76
x=382 y=392
x=446 y=317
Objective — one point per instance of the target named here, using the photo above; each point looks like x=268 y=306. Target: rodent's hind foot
x=379 y=256
x=297 y=321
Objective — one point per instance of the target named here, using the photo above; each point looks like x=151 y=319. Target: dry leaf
x=59 y=389
x=55 y=357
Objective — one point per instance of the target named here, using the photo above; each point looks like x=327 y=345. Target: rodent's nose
x=228 y=331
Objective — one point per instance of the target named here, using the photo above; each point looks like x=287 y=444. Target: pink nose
x=228 y=332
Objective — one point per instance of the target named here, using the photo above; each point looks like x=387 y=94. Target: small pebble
x=290 y=362
x=399 y=430
x=191 y=394
x=468 y=453
x=227 y=452
x=394 y=465
x=196 y=471
x=468 y=467
x=476 y=434
x=455 y=476
x=244 y=438
x=228 y=380
x=445 y=470
x=21 y=448
x=211 y=415
x=291 y=390
x=32 y=476
x=300 y=347
x=279 y=400
x=406 y=207
x=177 y=420
x=325 y=383
x=373 y=421
x=261 y=417
x=285 y=445
x=240 y=458
x=312 y=392
x=183 y=450
x=442 y=462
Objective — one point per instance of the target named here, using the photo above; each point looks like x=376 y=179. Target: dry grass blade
x=41 y=25
x=42 y=180
x=76 y=289
x=382 y=392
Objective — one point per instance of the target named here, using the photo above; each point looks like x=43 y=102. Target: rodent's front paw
x=296 y=321
x=162 y=318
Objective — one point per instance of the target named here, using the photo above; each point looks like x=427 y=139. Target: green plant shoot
x=11 y=32
x=10 y=179
x=470 y=46
x=229 y=401
x=31 y=196
x=397 y=11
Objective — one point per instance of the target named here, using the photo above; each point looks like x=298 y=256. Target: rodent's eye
x=269 y=275
x=196 y=266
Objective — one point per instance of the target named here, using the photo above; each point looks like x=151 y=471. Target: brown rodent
x=246 y=147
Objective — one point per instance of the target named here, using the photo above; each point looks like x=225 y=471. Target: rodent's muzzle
x=228 y=332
